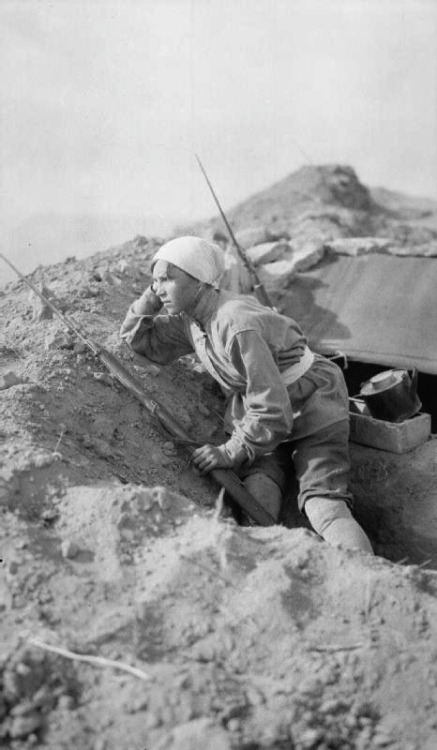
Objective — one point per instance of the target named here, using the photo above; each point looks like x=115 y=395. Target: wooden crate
x=395 y=437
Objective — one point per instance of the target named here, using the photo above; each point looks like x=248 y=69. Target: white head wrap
x=197 y=257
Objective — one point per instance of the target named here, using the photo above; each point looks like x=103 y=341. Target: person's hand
x=148 y=304
x=210 y=457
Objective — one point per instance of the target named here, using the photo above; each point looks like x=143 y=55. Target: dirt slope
x=319 y=204
x=111 y=548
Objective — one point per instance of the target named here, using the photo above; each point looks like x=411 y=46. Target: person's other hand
x=210 y=457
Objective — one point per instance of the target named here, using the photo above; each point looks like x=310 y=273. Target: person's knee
x=322 y=512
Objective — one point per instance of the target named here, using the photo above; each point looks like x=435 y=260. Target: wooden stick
x=98 y=661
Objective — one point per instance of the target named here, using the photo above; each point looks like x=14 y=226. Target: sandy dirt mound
x=133 y=616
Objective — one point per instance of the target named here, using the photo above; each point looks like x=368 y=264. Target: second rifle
x=258 y=286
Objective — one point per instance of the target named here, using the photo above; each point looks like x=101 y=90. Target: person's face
x=177 y=290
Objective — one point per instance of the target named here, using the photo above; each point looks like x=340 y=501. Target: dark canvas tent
x=374 y=308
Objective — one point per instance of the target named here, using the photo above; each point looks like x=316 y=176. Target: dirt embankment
x=132 y=616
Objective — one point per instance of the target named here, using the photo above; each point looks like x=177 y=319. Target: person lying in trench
x=279 y=392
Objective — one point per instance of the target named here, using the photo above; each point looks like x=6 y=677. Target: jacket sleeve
x=160 y=338
x=268 y=417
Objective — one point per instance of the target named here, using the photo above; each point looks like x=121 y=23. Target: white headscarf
x=197 y=257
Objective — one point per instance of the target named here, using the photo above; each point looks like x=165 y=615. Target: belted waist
x=294 y=372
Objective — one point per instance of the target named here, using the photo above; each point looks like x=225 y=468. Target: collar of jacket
x=205 y=306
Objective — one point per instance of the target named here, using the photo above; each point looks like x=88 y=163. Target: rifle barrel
x=258 y=287
x=222 y=213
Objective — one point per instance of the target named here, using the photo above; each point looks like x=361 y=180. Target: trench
x=396 y=495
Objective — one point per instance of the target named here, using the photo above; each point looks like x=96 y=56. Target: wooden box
x=395 y=437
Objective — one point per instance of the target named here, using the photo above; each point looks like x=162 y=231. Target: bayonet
x=258 y=287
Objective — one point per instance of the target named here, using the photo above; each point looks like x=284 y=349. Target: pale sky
x=103 y=104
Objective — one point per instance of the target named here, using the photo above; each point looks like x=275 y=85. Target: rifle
x=258 y=287
x=224 y=477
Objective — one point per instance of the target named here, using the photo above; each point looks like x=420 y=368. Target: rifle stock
x=224 y=477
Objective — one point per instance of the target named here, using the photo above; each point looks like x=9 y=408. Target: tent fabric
x=374 y=308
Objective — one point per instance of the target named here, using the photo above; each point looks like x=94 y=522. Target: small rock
x=268 y=252
x=127 y=535
x=69 y=549
x=153 y=370
x=310 y=738
x=139 y=703
x=152 y=720
x=22 y=726
x=332 y=706
x=102 y=377
x=23 y=669
x=382 y=740
x=10 y=379
x=88 y=292
x=122 y=266
x=80 y=348
x=254 y=697
x=101 y=447
x=277 y=274
x=24 y=708
x=359 y=245
x=58 y=340
x=42 y=696
x=103 y=274
x=184 y=419
x=204 y=652
x=49 y=515
x=307 y=257
x=157 y=458
x=66 y=703
x=251 y=236
x=42 y=459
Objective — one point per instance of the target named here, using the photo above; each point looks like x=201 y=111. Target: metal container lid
x=381 y=382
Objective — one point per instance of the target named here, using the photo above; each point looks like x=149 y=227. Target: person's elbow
x=126 y=333
x=131 y=331
x=128 y=337
x=283 y=420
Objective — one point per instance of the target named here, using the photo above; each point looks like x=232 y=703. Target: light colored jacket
x=245 y=347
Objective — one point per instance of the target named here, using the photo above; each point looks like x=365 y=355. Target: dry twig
x=98 y=661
